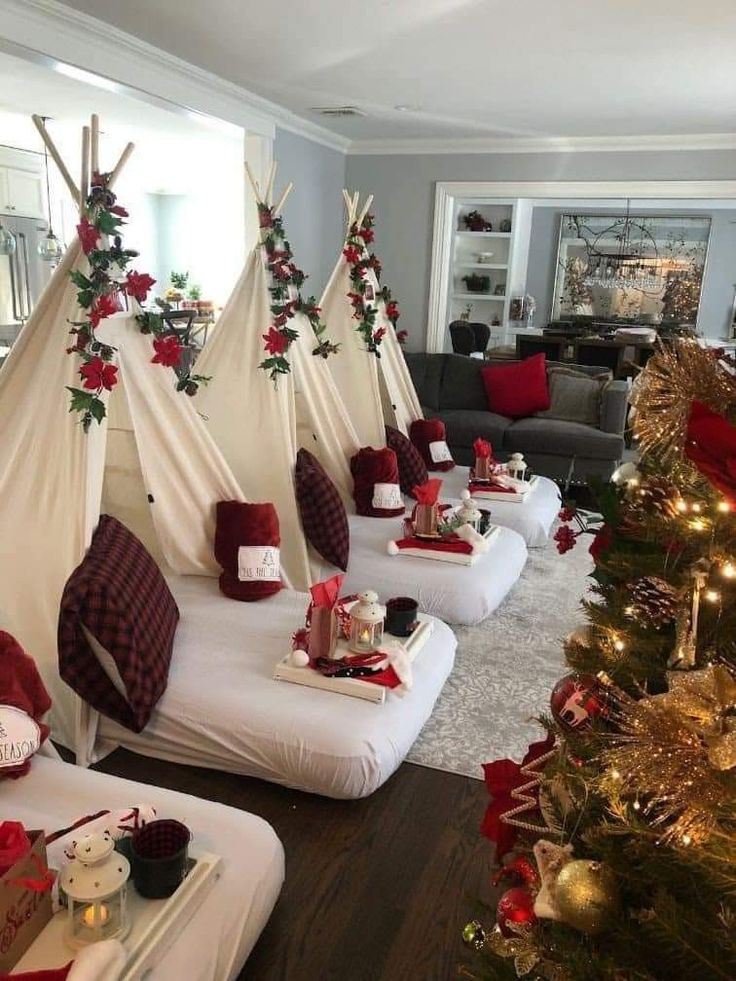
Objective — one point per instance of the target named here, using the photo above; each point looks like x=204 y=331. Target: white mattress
x=532 y=519
x=217 y=940
x=223 y=709
x=457 y=594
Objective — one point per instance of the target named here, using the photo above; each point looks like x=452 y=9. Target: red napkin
x=427 y=493
x=483 y=449
x=14 y=844
x=325 y=594
x=445 y=544
x=492 y=486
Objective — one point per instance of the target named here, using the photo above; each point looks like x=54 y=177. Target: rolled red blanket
x=21 y=688
x=376 y=487
x=430 y=438
x=247 y=541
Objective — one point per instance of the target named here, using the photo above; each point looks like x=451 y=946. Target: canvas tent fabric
x=375 y=391
x=152 y=464
x=225 y=926
x=259 y=425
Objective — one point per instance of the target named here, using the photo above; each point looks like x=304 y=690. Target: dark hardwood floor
x=376 y=889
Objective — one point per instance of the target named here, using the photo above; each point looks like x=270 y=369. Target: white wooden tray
x=156 y=923
x=440 y=555
x=356 y=687
x=501 y=496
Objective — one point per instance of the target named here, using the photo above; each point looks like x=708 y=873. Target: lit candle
x=89 y=915
x=365 y=636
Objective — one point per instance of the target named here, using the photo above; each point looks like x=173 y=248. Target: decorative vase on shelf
x=475 y=222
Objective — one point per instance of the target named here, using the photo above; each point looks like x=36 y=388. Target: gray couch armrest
x=613 y=407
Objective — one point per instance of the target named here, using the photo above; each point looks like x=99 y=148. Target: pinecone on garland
x=659 y=495
x=654 y=602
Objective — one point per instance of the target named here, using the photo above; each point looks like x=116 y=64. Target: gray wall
x=404 y=199
x=716 y=302
x=313 y=215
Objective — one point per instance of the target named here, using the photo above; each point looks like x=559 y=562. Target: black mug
x=401 y=616
x=158 y=857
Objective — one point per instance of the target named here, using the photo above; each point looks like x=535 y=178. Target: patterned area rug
x=506 y=667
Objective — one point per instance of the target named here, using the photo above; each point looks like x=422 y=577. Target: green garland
x=364 y=310
x=285 y=274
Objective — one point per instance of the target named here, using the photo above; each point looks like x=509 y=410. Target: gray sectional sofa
x=450 y=388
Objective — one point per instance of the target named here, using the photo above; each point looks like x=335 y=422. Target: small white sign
x=387 y=497
x=20 y=736
x=440 y=452
x=259 y=563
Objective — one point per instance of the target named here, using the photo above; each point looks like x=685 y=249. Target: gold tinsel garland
x=678 y=373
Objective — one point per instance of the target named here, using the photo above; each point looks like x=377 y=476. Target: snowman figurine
x=517 y=466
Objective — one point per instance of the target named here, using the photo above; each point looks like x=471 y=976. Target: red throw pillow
x=21 y=688
x=430 y=438
x=323 y=514
x=412 y=468
x=376 y=483
x=117 y=621
x=517 y=390
x=247 y=544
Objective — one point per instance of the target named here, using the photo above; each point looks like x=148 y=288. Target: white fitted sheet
x=455 y=593
x=532 y=519
x=222 y=932
x=223 y=709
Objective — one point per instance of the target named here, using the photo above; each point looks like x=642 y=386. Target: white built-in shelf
x=484 y=234
x=481 y=265
x=478 y=296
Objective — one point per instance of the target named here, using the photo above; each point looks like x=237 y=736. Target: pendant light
x=49 y=248
x=7 y=241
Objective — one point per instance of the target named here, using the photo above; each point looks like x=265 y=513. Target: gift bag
x=25 y=902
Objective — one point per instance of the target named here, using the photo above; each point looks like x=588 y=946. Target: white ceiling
x=477 y=68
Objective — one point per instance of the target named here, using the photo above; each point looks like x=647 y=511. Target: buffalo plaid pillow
x=412 y=468
x=323 y=514
x=116 y=627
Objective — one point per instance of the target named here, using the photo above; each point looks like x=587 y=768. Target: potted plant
x=475 y=222
x=477 y=284
x=178 y=284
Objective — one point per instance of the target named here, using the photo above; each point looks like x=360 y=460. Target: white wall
x=404 y=187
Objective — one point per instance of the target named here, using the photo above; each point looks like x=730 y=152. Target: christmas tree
x=617 y=832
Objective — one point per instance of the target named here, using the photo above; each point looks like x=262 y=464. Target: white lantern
x=517 y=466
x=366 y=623
x=468 y=512
x=95 y=884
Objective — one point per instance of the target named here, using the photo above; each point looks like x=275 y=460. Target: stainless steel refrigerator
x=23 y=276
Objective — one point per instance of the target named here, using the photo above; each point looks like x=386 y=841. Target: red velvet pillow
x=430 y=438
x=323 y=514
x=247 y=543
x=21 y=688
x=412 y=468
x=376 y=483
x=517 y=390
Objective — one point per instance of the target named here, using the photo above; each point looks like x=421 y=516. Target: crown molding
x=47 y=29
x=551 y=144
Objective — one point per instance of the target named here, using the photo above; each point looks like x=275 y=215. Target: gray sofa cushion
x=536 y=435
x=426 y=373
x=575 y=396
x=462 y=384
x=465 y=425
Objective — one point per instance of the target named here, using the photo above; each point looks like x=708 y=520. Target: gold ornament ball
x=586 y=895
x=474 y=935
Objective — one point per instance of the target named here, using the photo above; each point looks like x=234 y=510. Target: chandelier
x=630 y=265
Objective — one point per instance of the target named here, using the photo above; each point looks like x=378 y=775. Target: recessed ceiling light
x=407 y=107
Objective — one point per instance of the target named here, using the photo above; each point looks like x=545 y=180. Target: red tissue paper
x=428 y=492
x=483 y=449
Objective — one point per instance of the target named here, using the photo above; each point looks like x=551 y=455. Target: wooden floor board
x=376 y=889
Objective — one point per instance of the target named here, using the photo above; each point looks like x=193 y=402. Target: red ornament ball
x=515 y=906
x=576 y=700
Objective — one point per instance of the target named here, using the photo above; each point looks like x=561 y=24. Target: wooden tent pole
x=284 y=196
x=268 y=197
x=253 y=182
x=54 y=153
x=124 y=157
x=84 y=182
x=95 y=146
x=364 y=212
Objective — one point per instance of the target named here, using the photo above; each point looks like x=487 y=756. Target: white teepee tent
x=374 y=390
x=150 y=462
x=259 y=425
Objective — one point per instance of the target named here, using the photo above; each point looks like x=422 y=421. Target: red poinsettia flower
x=711 y=446
x=601 y=543
x=168 y=351
x=379 y=334
x=280 y=272
x=276 y=341
x=565 y=538
x=88 y=235
x=367 y=234
x=501 y=778
x=352 y=254
x=99 y=374
x=265 y=217
x=138 y=284
x=401 y=336
x=566 y=514
x=119 y=210
x=392 y=310
x=104 y=306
